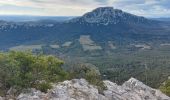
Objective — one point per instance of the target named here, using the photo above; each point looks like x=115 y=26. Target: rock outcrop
x=80 y=89
x=1 y=98
x=76 y=89
x=132 y=90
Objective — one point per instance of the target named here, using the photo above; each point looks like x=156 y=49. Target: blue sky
x=147 y=8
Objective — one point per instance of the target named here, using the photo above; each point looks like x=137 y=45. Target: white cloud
x=148 y=8
x=48 y=7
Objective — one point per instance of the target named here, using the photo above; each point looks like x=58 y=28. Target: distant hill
x=22 y=18
x=161 y=19
x=102 y=25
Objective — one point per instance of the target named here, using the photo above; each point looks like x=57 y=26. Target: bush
x=94 y=78
x=90 y=73
x=165 y=87
x=43 y=87
x=24 y=69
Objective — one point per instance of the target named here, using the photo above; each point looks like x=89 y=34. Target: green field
x=26 y=47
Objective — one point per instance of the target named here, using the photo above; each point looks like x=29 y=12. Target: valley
x=121 y=45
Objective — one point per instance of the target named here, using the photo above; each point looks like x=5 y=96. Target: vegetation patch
x=21 y=70
x=24 y=70
x=88 y=44
x=55 y=46
x=67 y=44
x=26 y=47
x=165 y=87
x=90 y=73
x=142 y=46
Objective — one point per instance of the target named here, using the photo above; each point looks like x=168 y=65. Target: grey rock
x=80 y=89
x=2 y=98
x=132 y=90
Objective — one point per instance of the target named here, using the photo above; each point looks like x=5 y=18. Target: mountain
x=104 y=23
x=109 y=15
x=80 y=89
x=22 y=18
x=162 y=19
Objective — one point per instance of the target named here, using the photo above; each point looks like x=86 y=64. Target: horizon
x=55 y=16
x=146 y=8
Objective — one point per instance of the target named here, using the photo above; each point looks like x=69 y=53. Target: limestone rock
x=132 y=90
x=80 y=89
x=2 y=98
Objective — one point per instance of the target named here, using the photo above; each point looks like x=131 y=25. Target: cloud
x=148 y=8
x=48 y=7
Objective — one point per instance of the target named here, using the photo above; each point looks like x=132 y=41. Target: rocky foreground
x=80 y=89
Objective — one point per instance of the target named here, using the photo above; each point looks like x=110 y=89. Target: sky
x=147 y=8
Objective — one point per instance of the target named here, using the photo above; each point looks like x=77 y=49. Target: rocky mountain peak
x=103 y=11
x=109 y=15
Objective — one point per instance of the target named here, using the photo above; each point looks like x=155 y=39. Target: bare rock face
x=132 y=90
x=1 y=98
x=33 y=95
x=76 y=89
x=80 y=89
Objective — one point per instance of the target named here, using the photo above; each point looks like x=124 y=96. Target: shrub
x=44 y=86
x=165 y=87
x=24 y=70
x=90 y=73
